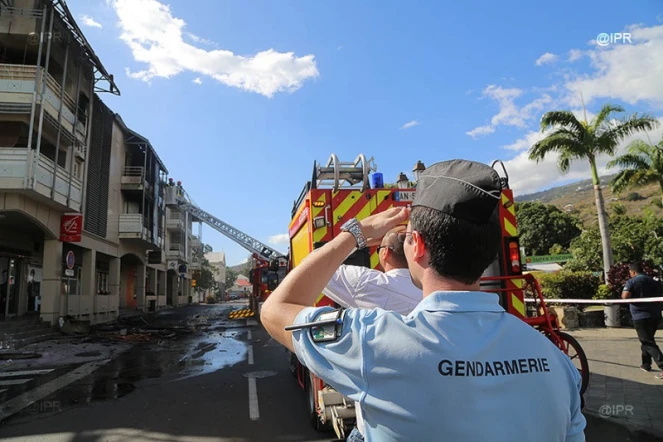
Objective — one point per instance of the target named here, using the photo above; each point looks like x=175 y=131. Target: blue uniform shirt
x=457 y=368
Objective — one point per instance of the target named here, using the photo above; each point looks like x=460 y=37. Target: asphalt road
x=196 y=390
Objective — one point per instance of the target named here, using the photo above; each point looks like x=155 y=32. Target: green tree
x=205 y=277
x=247 y=267
x=231 y=277
x=582 y=140
x=641 y=165
x=542 y=226
x=633 y=239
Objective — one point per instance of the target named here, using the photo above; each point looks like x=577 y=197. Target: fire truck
x=339 y=191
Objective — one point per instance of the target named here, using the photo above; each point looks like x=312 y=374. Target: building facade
x=84 y=227
x=217 y=260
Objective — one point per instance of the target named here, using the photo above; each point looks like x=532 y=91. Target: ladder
x=337 y=173
x=241 y=238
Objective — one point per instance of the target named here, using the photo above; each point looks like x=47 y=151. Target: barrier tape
x=595 y=301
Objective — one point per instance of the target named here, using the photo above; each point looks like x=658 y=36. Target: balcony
x=175 y=221
x=133 y=178
x=17 y=85
x=195 y=264
x=133 y=228
x=176 y=252
x=15 y=175
x=195 y=243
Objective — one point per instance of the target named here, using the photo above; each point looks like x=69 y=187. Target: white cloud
x=89 y=21
x=526 y=142
x=155 y=37
x=197 y=39
x=546 y=58
x=198 y=80
x=281 y=238
x=576 y=54
x=410 y=124
x=630 y=72
x=481 y=130
x=510 y=114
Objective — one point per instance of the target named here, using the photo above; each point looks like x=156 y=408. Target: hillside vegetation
x=578 y=199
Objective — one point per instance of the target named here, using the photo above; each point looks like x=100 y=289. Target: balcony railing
x=175 y=251
x=132 y=223
x=14 y=170
x=17 y=85
x=195 y=242
x=133 y=177
x=175 y=221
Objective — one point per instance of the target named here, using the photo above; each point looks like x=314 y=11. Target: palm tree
x=582 y=140
x=642 y=165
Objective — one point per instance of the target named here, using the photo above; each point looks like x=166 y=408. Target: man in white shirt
x=361 y=287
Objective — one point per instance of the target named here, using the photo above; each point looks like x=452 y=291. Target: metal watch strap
x=352 y=226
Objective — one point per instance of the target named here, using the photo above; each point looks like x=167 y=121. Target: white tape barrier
x=594 y=301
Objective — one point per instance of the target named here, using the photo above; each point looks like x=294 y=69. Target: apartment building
x=217 y=260
x=183 y=247
x=84 y=227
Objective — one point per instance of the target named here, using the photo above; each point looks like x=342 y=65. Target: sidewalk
x=618 y=390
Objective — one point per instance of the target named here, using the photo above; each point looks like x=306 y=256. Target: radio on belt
x=326 y=327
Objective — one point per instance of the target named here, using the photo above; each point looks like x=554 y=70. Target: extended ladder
x=241 y=238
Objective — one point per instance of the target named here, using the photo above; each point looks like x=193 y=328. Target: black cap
x=463 y=189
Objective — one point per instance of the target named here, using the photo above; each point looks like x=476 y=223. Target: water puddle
x=219 y=350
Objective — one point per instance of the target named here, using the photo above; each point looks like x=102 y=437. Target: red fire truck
x=340 y=191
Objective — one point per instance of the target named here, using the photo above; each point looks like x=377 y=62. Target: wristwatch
x=352 y=226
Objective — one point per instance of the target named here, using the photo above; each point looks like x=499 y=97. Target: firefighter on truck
x=459 y=355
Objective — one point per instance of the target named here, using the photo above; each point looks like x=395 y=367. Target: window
x=102 y=283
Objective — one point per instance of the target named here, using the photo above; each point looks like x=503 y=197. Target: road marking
x=15 y=381
x=24 y=373
x=2 y=391
x=254 y=414
x=250 y=335
x=250 y=354
x=18 y=403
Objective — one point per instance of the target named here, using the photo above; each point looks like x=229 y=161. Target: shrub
x=603 y=292
x=619 y=209
x=618 y=275
x=634 y=196
x=569 y=285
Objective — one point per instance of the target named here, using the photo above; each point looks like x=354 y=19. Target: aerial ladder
x=268 y=264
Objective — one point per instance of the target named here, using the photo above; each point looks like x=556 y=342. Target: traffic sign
x=71 y=260
x=548 y=258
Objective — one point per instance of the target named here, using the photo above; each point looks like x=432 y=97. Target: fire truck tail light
x=514 y=256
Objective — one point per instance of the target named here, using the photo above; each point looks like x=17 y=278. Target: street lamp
x=418 y=168
x=402 y=182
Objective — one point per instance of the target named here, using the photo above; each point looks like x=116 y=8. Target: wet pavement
x=223 y=381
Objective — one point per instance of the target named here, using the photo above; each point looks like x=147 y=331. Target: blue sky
x=241 y=127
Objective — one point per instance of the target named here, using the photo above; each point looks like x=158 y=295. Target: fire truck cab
x=339 y=191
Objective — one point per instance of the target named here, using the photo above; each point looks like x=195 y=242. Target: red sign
x=71 y=227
